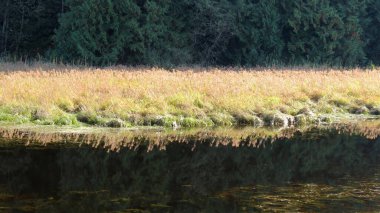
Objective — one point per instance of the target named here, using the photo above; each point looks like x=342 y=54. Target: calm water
x=316 y=169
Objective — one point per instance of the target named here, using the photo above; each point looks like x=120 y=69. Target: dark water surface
x=311 y=170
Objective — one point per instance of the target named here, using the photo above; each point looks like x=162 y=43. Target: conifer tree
x=162 y=38
x=98 y=31
x=371 y=22
x=205 y=32
x=257 y=36
x=27 y=26
x=351 y=47
x=312 y=31
x=212 y=26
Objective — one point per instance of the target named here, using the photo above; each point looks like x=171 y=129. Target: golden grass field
x=57 y=94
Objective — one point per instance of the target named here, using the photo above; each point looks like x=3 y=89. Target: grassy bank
x=187 y=97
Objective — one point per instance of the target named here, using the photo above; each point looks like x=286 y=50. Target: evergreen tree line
x=187 y=32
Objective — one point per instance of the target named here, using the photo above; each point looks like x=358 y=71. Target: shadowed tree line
x=185 y=32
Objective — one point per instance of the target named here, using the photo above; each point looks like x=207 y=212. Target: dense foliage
x=205 y=32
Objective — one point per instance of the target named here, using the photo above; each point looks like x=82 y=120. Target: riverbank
x=51 y=94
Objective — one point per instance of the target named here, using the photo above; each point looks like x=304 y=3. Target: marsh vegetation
x=188 y=97
x=189 y=106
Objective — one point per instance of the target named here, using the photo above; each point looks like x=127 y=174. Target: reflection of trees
x=95 y=169
x=27 y=171
x=184 y=171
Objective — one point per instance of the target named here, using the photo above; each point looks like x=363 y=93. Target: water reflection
x=290 y=170
x=348 y=194
x=115 y=139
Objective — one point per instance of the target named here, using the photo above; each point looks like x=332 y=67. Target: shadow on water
x=329 y=168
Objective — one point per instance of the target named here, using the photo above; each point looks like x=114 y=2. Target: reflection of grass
x=114 y=139
x=191 y=97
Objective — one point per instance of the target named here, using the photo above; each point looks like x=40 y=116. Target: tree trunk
x=4 y=28
x=20 y=34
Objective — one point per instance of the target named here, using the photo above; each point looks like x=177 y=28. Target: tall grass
x=189 y=94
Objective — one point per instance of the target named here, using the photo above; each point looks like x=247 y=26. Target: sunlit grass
x=136 y=95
